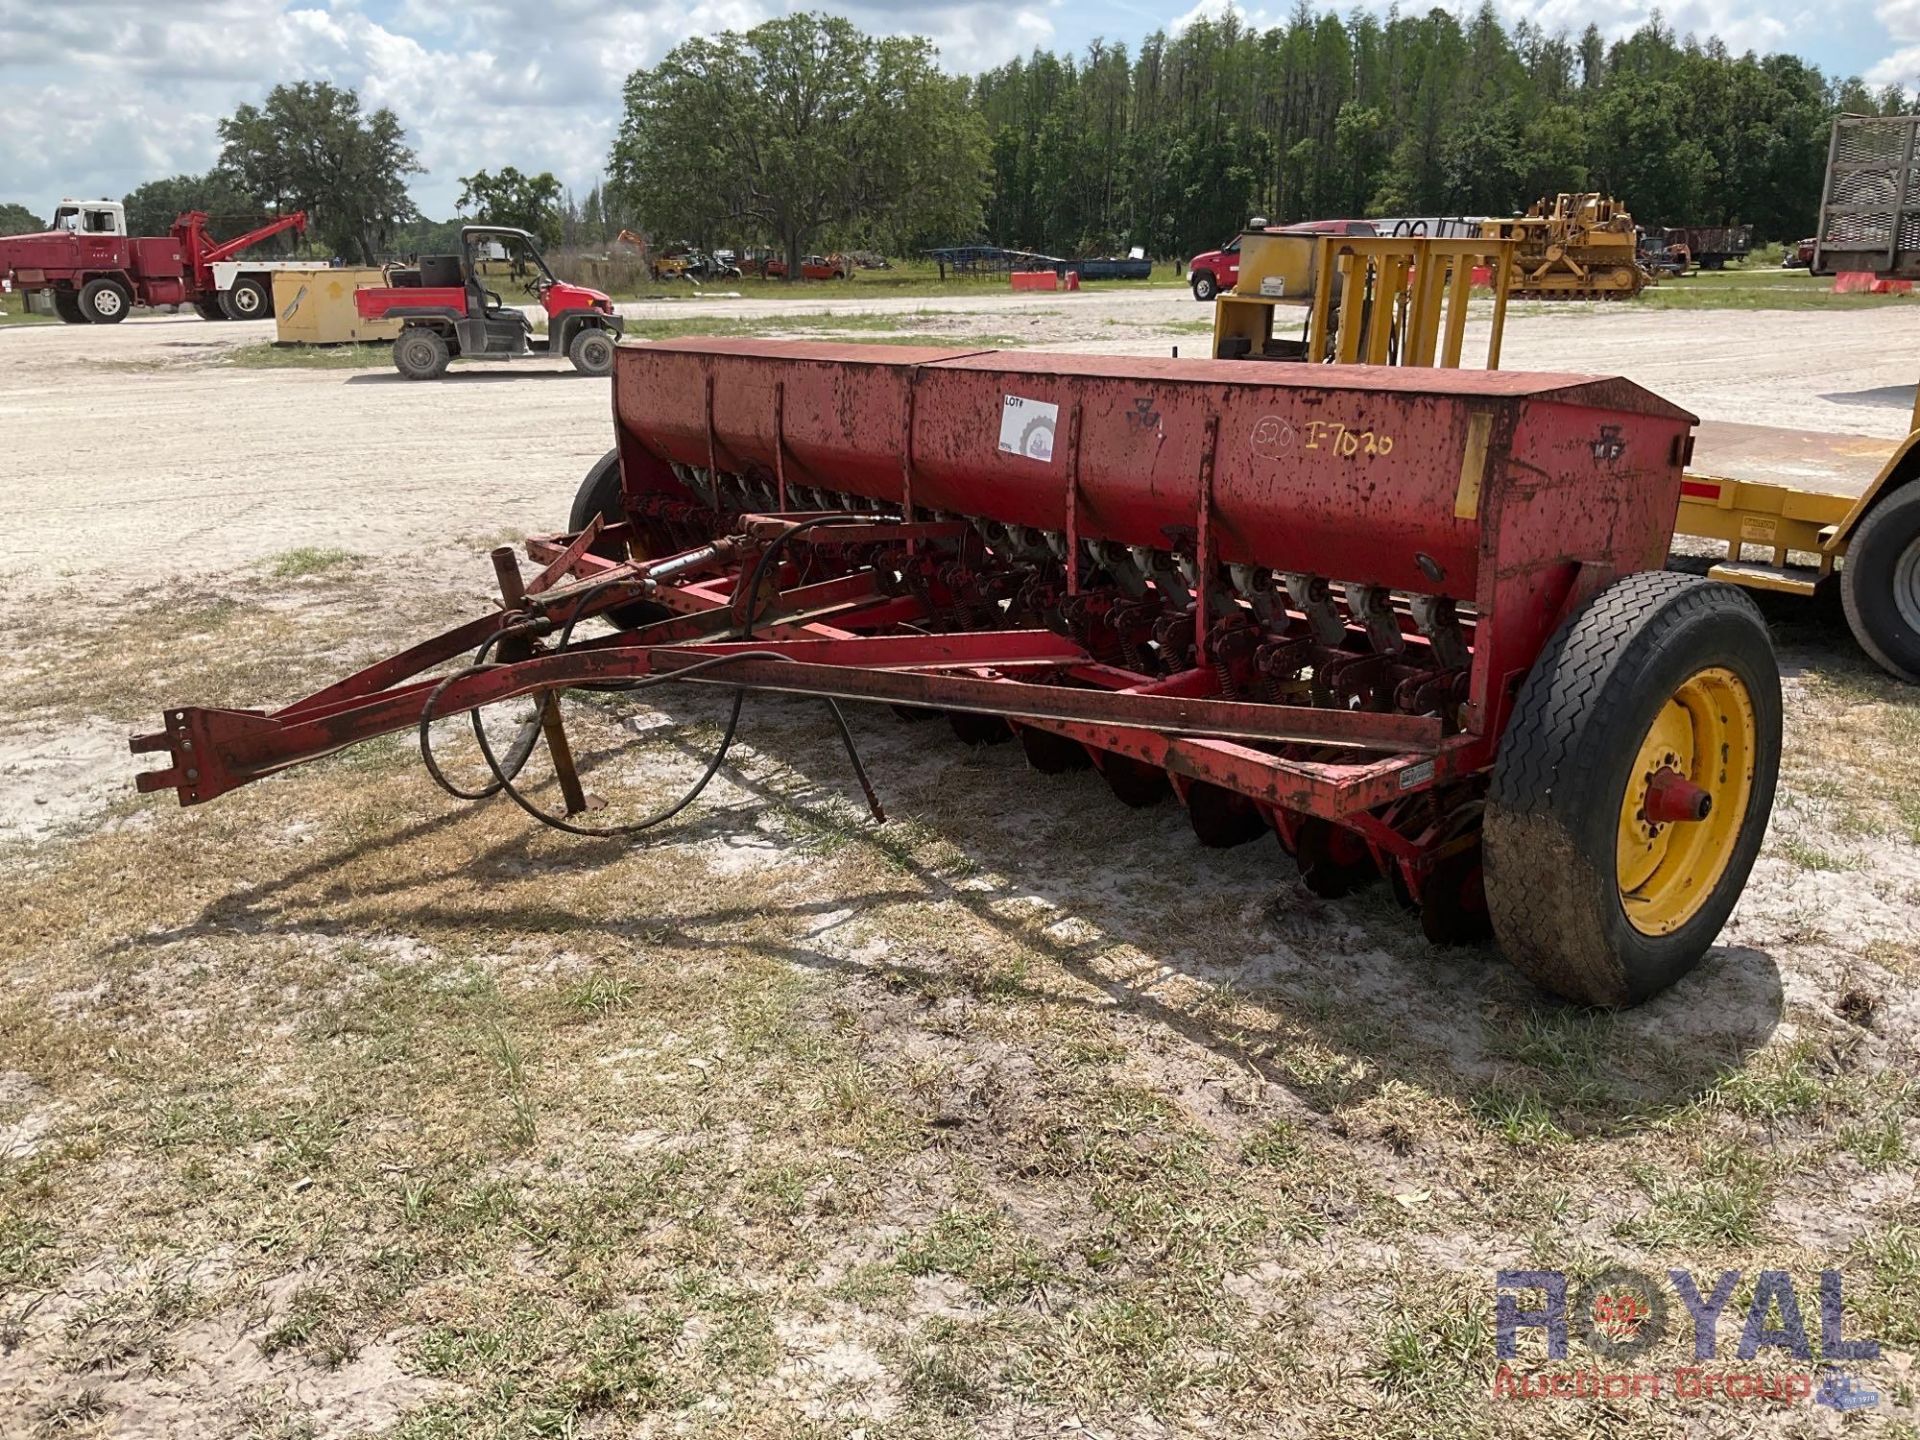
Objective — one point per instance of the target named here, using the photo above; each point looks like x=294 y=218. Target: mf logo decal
x=1143 y=416
x=1609 y=447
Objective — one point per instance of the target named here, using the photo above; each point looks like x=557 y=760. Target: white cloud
x=1902 y=21
x=97 y=96
x=1900 y=17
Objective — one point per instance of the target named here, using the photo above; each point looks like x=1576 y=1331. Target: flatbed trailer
x=1796 y=509
x=1772 y=494
x=1793 y=510
x=1786 y=536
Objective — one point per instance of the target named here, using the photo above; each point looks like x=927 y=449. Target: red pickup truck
x=1215 y=270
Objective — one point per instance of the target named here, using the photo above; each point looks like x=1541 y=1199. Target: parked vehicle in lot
x=1710 y=246
x=448 y=312
x=812 y=267
x=1212 y=271
x=1662 y=256
x=1798 y=255
x=682 y=262
x=87 y=270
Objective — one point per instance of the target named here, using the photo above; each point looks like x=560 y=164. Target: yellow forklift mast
x=1358 y=300
x=1793 y=509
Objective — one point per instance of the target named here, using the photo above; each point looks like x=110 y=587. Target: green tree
x=507 y=197
x=1414 y=113
x=309 y=147
x=16 y=219
x=803 y=131
x=153 y=207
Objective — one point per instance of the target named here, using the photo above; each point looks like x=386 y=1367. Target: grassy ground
x=13 y=311
x=270 y=356
x=336 y=1105
x=1756 y=287
x=904 y=279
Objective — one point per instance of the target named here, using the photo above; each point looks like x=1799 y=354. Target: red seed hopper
x=1413 y=622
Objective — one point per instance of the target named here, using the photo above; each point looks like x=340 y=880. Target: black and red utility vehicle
x=447 y=311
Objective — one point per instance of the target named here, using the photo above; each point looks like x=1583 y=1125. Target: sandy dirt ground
x=132 y=458
x=334 y=1105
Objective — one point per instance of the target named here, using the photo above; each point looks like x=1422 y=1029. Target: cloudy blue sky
x=98 y=95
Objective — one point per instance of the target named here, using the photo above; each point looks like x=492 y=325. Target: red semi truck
x=89 y=270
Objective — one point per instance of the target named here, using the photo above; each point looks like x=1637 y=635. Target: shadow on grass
x=1332 y=1001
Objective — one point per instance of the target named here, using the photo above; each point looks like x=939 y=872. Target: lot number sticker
x=1027 y=426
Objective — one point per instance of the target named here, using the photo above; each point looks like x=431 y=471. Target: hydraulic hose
x=506 y=770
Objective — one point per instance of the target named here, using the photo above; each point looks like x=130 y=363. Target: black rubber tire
x=1883 y=567
x=1205 y=287
x=599 y=495
x=104 y=302
x=1553 y=811
x=248 y=300
x=66 y=305
x=421 y=354
x=591 y=351
x=210 y=308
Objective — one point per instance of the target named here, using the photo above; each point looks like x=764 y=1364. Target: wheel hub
x=1906 y=584
x=1685 y=800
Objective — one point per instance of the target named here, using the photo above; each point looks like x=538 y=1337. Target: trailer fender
x=1902 y=468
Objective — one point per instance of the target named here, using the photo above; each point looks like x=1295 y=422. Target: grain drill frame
x=1401 y=618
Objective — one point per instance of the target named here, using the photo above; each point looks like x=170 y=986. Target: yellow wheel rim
x=1706 y=732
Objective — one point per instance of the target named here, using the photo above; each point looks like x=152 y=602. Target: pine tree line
x=1176 y=145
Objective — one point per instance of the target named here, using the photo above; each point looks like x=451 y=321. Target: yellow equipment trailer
x=1837 y=502
x=1792 y=508
x=1857 y=502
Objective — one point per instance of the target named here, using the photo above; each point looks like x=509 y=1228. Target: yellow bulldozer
x=1573 y=247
